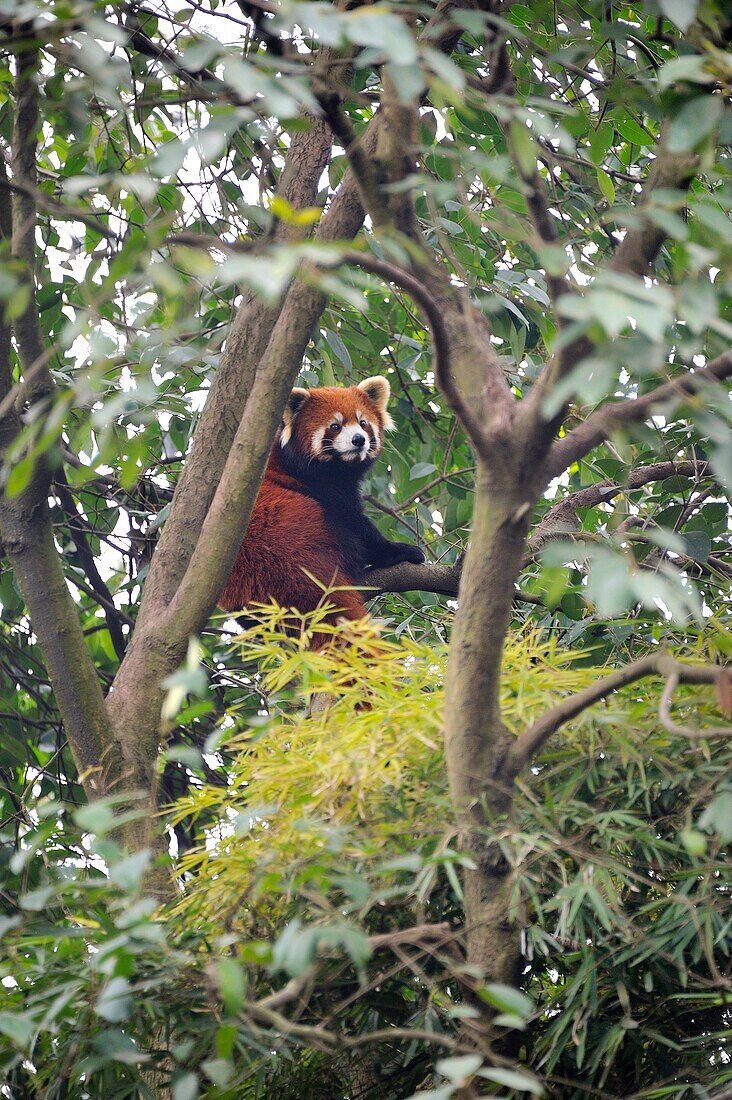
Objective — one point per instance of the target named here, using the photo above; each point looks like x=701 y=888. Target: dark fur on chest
x=336 y=486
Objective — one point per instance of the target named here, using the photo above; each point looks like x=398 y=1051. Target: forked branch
x=644 y=240
x=654 y=664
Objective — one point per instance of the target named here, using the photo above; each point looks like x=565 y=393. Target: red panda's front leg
x=381 y=552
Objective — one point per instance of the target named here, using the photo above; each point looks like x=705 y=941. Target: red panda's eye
x=364 y=424
x=335 y=427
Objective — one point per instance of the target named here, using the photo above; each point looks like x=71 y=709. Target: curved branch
x=78 y=532
x=25 y=520
x=635 y=255
x=610 y=418
x=664 y=712
x=561 y=519
x=528 y=744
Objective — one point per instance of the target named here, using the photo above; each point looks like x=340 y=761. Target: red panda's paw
x=397 y=552
x=413 y=554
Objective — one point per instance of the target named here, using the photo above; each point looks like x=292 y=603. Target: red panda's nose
x=358 y=441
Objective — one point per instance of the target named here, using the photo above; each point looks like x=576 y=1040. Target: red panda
x=308 y=516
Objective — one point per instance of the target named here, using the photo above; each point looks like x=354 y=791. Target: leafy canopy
x=164 y=136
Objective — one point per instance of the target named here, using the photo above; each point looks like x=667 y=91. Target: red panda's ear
x=295 y=402
x=378 y=391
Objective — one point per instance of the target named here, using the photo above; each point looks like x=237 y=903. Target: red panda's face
x=338 y=425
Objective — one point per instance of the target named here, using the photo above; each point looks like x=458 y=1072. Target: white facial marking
x=373 y=445
x=285 y=436
x=316 y=443
x=343 y=442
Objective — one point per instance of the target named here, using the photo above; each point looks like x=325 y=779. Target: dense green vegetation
x=204 y=890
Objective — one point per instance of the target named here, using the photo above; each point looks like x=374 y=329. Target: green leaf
x=522 y=1082
x=96 y=817
x=694 y=842
x=218 y=1070
x=116 y=1046
x=507 y=999
x=443 y=1093
x=36 y=901
x=186 y=1087
x=20 y=1029
x=698 y=545
x=375 y=25
x=339 y=349
x=717 y=817
x=509 y=1020
x=459 y=1068
x=114 y=1002
x=693 y=123
x=680 y=12
x=524 y=147
x=20 y=475
x=128 y=873
x=295 y=949
x=721 y=460
x=232 y=986
x=691 y=68
x=421 y=469
x=606 y=185
x=601 y=142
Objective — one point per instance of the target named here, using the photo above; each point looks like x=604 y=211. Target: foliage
x=325 y=841
x=164 y=139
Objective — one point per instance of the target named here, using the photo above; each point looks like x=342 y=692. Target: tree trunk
x=476 y=740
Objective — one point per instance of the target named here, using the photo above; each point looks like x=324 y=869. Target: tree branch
x=664 y=711
x=78 y=534
x=528 y=743
x=612 y=417
x=440 y=338
x=407 y=577
x=643 y=241
x=228 y=515
x=635 y=255
x=363 y=165
x=467 y=369
x=253 y=330
x=25 y=521
x=38 y=382
x=246 y=344
x=535 y=197
x=7 y=427
x=561 y=518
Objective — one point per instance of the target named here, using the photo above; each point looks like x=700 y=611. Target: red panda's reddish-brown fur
x=308 y=517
